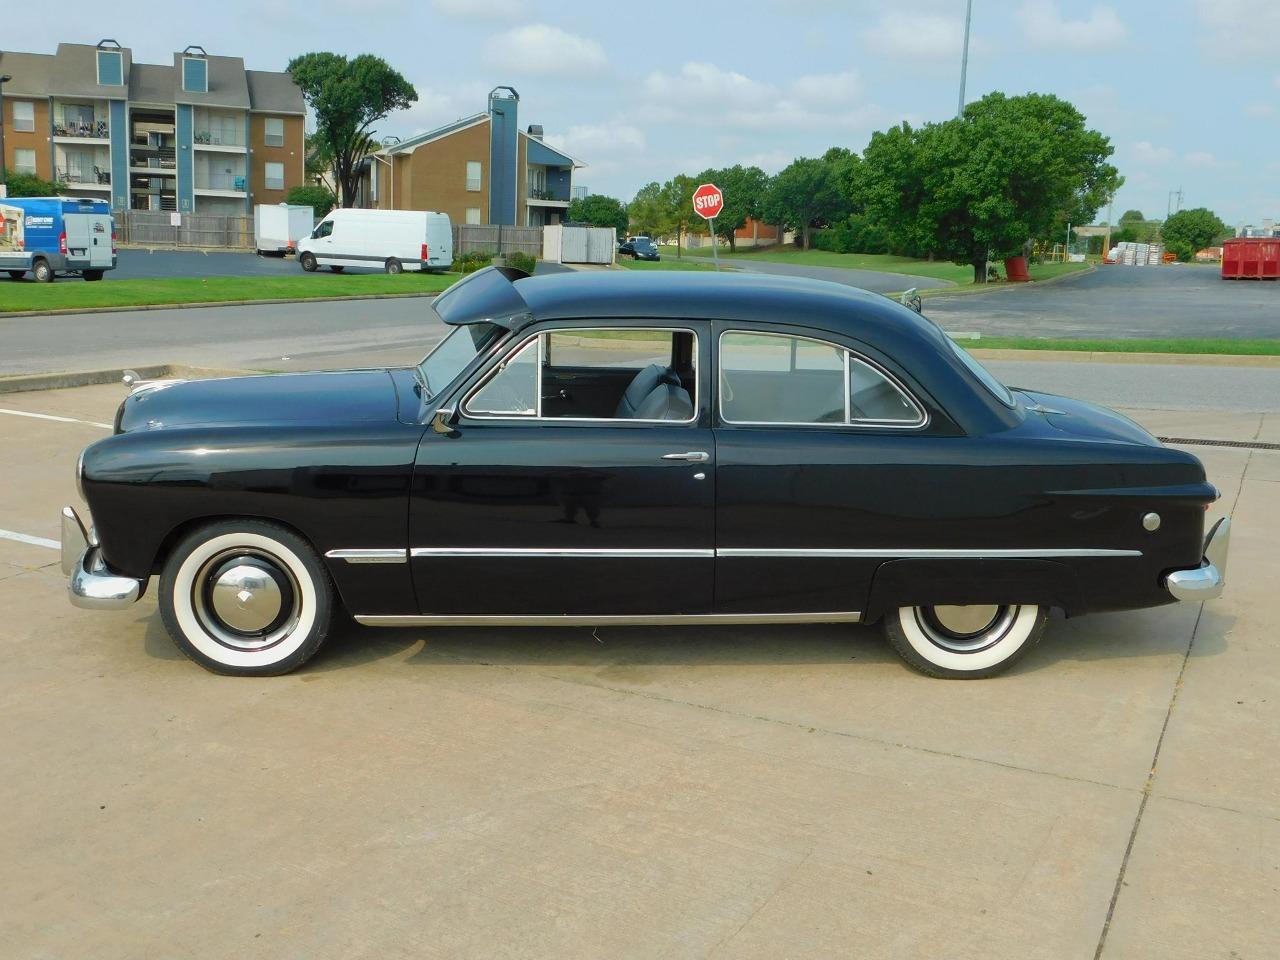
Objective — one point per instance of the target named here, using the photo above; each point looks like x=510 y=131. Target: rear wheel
x=92 y=275
x=969 y=641
x=394 y=266
x=308 y=262
x=246 y=598
x=42 y=271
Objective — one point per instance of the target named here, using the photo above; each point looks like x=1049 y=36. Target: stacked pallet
x=1131 y=254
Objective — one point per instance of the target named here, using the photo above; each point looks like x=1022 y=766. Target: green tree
x=745 y=190
x=320 y=199
x=985 y=183
x=348 y=97
x=599 y=211
x=645 y=213
x=809 y=194
x=1132 y=216
x=28 y=185
x=676 y=202
x=1187 y=231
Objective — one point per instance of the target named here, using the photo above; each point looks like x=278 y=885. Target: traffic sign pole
x=715 y=246
x=708 y=201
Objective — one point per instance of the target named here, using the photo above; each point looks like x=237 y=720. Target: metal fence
x=155 y=228
x=495 y=238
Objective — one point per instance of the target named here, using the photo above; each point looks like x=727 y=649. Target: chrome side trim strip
x=894 y=553
x=641 y=553
x=371 y=555
x=603 y=620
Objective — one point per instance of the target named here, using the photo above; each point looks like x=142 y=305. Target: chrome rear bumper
x=91 y=583
x=1208 y=580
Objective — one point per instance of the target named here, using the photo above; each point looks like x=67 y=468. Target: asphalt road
x=873 y=280
x=1111 y=302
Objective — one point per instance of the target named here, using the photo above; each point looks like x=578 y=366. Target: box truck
x=390 y=240
x=277 y=227
x=48 y=236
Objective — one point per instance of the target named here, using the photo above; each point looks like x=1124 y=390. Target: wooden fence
x=494 y=238
x=154 y=228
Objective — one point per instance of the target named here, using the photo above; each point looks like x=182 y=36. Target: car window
x=775 y=378
x=512 y=389
x=439 y=368
x=325 y=228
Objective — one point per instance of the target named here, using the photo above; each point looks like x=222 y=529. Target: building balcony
x=218 y=141
x=95 y=179
x=221 y=185
x=79 y=130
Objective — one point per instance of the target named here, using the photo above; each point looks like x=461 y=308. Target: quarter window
x=774 y=378
x=24 y=115
x=512 y=389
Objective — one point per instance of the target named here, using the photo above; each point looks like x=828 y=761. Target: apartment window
x=195 y=74
x=24 y=161
x=273 y=135
x=473 y=214
x=275 y=176
x=110 y=68
x=24 y=115
x=473 y=175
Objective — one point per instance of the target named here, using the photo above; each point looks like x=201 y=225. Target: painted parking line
x=34 y=541
x=50 y=416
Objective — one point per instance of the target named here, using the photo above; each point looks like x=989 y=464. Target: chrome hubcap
x=968 y=619
x=966 y=628
x=247 y=601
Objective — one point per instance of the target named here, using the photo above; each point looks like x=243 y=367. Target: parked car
x=639 y=248
x=52 y=236
x=393 y=240
x=615 y=449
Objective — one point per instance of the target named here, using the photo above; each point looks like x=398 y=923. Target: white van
x=394 y=240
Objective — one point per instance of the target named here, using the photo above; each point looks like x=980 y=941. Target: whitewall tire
x=964 y=642
x=246 y=597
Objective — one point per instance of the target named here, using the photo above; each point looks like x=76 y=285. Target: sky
x=1187 y=90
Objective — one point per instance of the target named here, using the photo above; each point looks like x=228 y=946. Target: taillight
x=426 y=250
x=113 y=238
x=62 y=242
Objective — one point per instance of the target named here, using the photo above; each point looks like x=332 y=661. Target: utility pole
x=964 y=56
x=1170 y=209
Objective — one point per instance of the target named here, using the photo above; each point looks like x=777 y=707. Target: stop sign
x=707 y=201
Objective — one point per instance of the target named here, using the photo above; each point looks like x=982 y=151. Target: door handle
x=694 y=456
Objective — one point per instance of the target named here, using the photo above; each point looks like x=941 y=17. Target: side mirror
x=444 y=420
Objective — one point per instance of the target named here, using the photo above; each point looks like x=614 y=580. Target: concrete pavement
x=732 y=793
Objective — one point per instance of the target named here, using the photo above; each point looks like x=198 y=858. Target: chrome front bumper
x=1207 y=581
x=90 y=583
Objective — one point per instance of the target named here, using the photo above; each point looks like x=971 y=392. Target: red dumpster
x=1251 y=258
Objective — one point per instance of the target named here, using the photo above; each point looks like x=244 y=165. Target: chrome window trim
x=537 y=416
x=590 y=620
x=849 y=355
x=369 y=555
x=639 y=553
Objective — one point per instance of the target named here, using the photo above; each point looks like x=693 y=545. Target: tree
x=28 y=185
x=1132 y=216
x=348 y=97
x=676 y=202
x=1187 y=231
x=645 y=214
x=599 y=211
x=984 y=183
x=809 y=193
x=745 y=190
x=320 y=199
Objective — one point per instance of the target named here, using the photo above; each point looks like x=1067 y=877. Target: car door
x=524 y=506
x=823 y=458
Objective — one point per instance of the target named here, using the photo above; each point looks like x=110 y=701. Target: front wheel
x=42 y=271
x=966 y=642
x=308 y=262
x=246 y=598
x=394 y=266
x=92 y=275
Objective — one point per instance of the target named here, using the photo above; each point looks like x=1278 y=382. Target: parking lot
x=718 y=792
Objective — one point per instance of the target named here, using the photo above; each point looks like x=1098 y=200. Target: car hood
x=343 y=396
x=1088 y=421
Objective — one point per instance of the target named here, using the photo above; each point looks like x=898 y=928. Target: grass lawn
x=74 y=293
x=1260 y=348
x=667 y=263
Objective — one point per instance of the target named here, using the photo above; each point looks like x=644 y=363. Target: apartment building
x=199 y=135
x=480 y=169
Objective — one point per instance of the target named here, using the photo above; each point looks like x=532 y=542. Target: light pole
x=4 y=78
x=964 y=56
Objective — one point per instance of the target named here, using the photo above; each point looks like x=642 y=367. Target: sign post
x=708 y=201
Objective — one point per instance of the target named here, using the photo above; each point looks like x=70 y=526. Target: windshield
x=1000 y=391
x=439 y=368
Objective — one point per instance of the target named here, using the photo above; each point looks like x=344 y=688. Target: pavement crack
x=1147 y=789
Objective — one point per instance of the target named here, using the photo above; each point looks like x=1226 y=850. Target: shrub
x=472 y=261
x=318 y=198
x=855 y=234
x=29 y=185
x=522 y=261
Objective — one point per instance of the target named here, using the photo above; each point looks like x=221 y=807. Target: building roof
x=227 y=84
x=32 y=73
x=75 y=72
x=413 y=143
x=271 y=92
x=540 y=152
x=151 y=83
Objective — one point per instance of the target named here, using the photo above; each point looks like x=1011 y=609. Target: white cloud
x=587 y=140
x=1148 y=154
x=1044 y=25
x=1239 y=28
x=543 y=50
x=1202 y=160
x=829 y=88
x=478 y=9
x=705 y=83
x=1259 y=110
x=915 y=34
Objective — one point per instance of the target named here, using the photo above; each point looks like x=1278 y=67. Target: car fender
x=923 y=582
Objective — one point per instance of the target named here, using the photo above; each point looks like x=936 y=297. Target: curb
x=1108 y=356
x=86 y=378
x=939 y=293
x=74 y=311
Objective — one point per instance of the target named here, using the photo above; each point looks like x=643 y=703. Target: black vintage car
x=636 y=449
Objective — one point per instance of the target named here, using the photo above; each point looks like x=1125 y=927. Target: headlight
x=80 y=476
